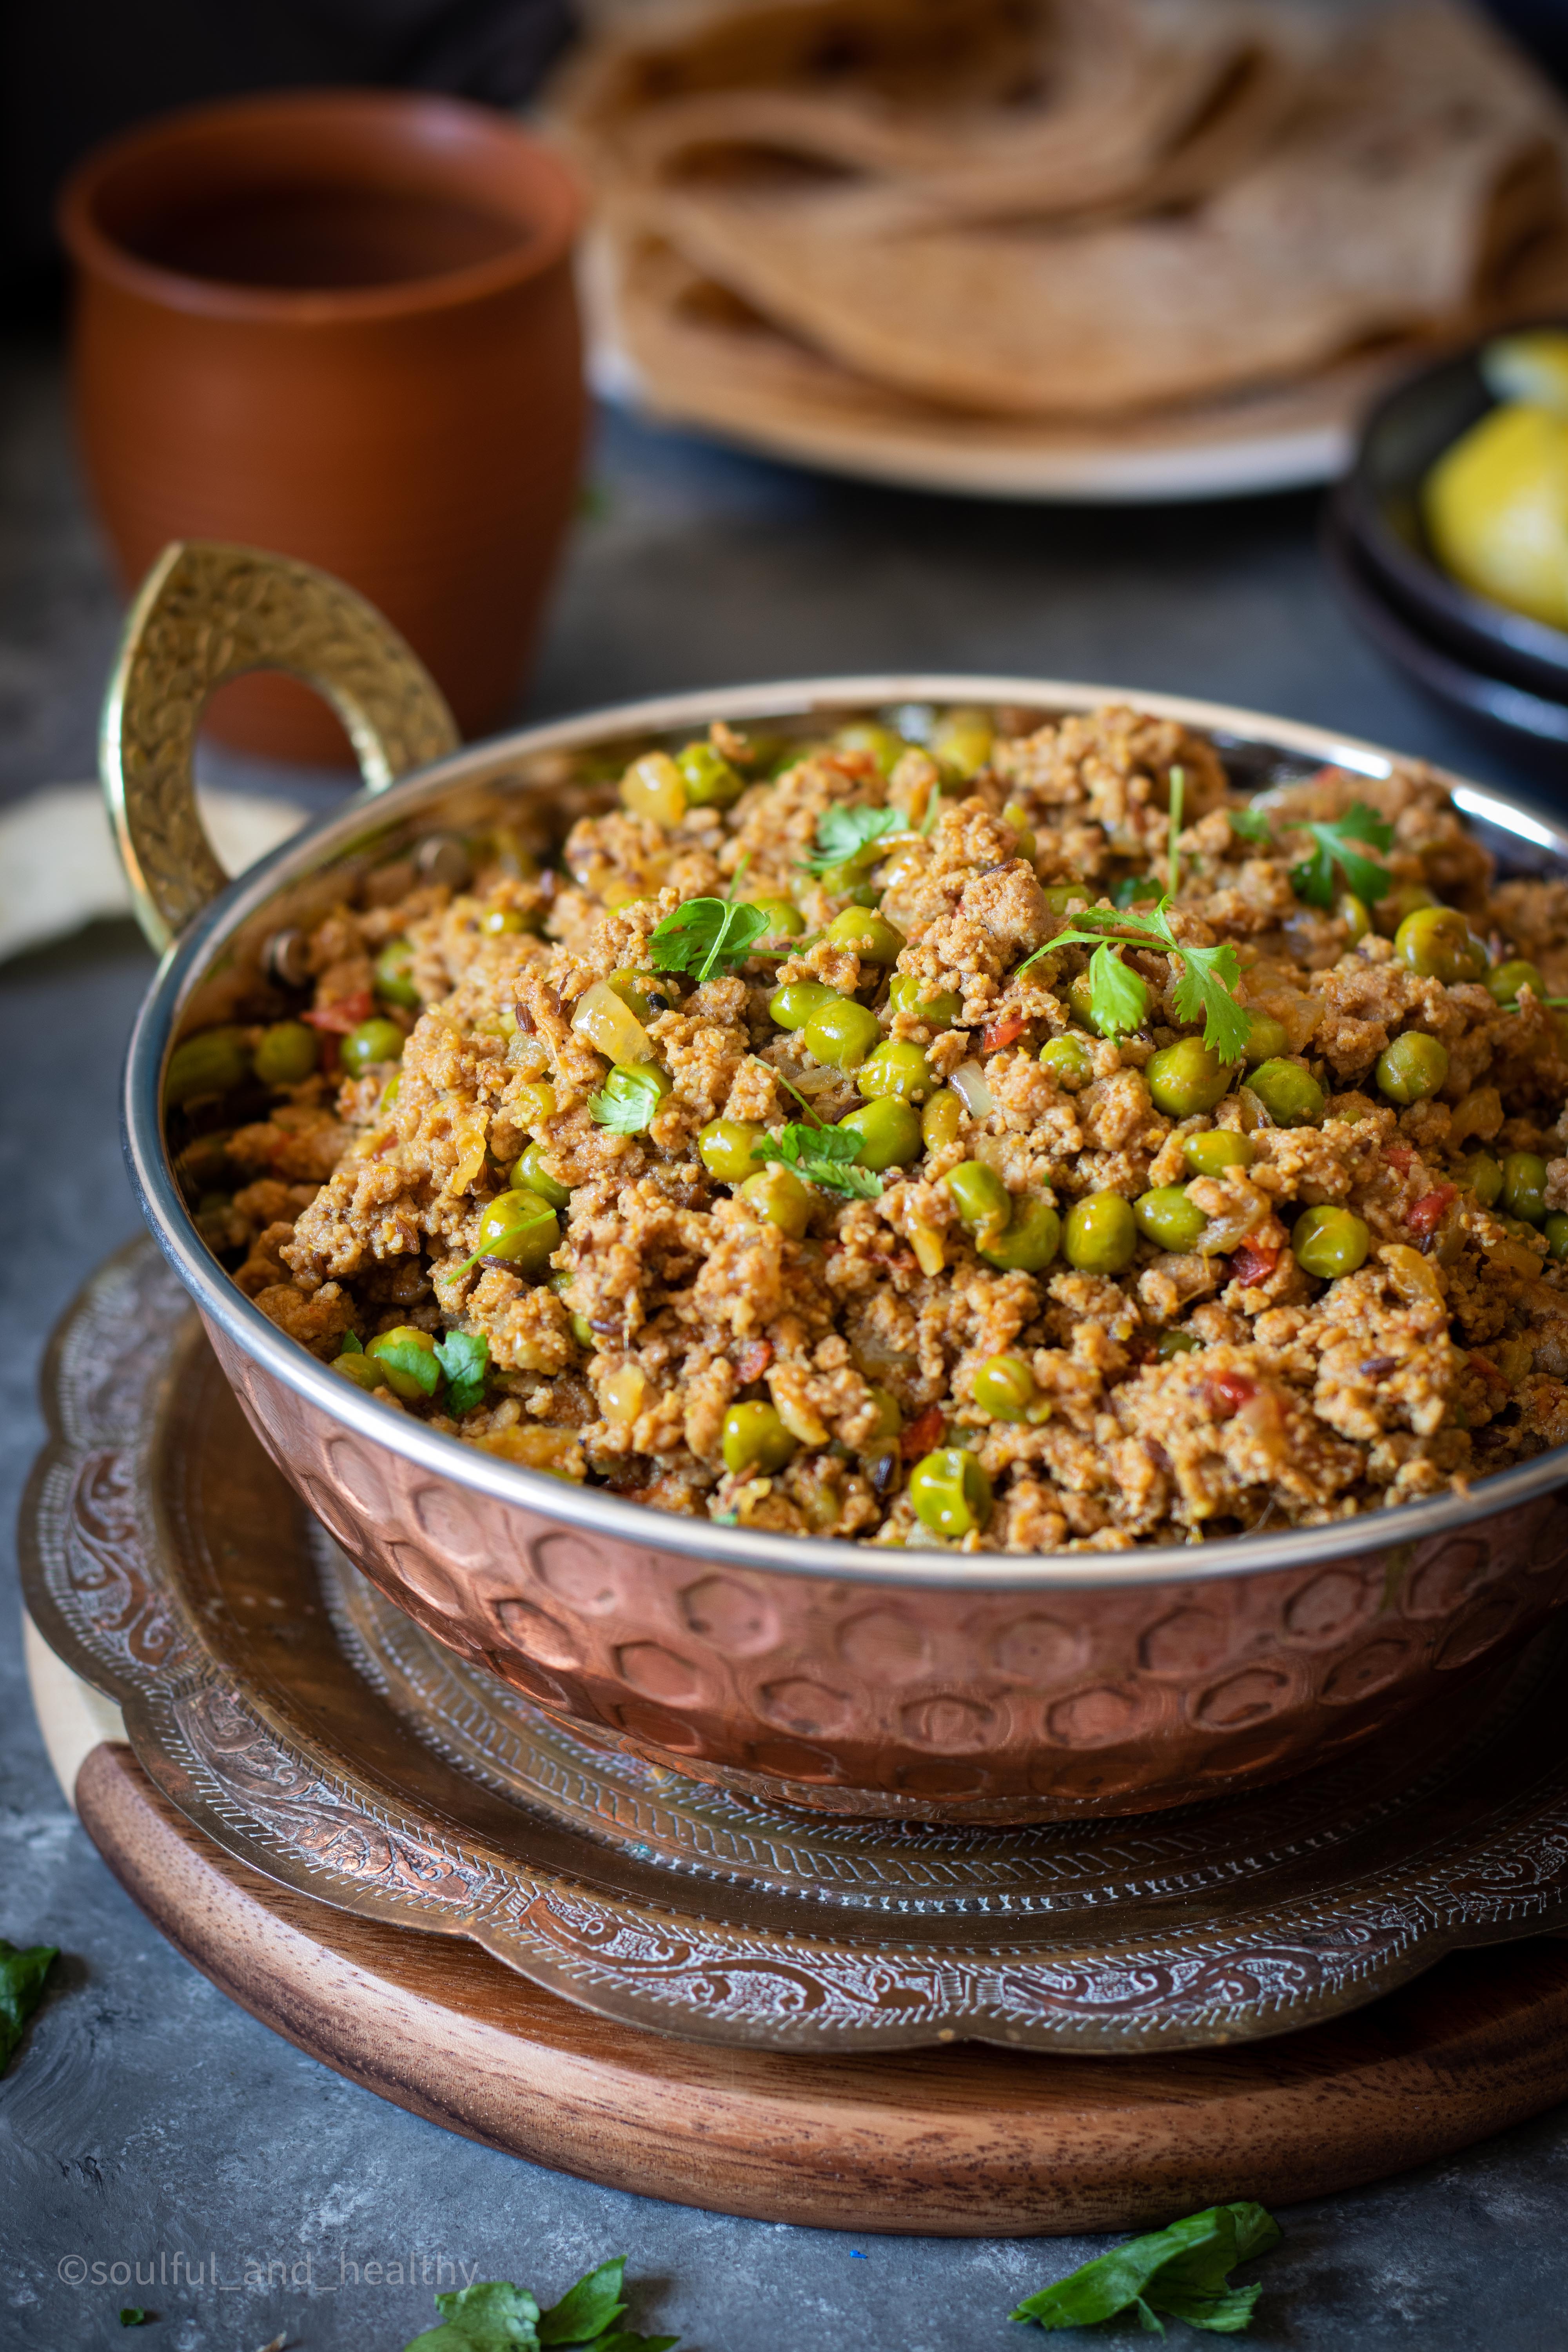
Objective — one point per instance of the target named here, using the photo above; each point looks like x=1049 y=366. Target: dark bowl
x=1534 y=727
x=1379 y=505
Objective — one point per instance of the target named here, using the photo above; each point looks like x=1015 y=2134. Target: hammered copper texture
x=938 y=1703
x=166 y=1561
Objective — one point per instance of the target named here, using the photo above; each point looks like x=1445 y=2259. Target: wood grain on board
x=965 y=2142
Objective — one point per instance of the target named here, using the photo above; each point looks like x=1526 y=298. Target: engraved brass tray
x=317 y=1733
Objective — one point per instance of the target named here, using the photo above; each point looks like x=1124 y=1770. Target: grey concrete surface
x=147 y=2119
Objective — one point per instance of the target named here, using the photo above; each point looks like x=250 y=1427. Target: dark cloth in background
x=72 y=72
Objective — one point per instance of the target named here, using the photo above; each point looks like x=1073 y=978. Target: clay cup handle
x=204 y=614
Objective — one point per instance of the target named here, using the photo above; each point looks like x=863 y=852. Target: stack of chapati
x=1157 y=214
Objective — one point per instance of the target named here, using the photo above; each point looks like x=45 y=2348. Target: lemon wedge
x=1532 y=367
x=1496 y=508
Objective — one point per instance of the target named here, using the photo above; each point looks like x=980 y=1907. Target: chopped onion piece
x=968 y=1082
x=611 y=1027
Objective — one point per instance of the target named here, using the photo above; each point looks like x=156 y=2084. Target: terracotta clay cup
x=340 y=324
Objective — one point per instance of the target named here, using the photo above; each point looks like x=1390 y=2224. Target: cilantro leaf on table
x=1204 y=991
x=843 y=833
x=22 y=1974
x=628 y=1100
x=824 y=1155
x=463 y=1357
x=491 y=2316
x=707 y=935
x=132 y=2315
x=1182 y=2272
x=1314 y=879
x=588 y=2309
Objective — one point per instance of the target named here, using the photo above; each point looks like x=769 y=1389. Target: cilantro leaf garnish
x=706 y=936
x=1314 y=879
x=1119 y=999
x=824 y=1155
x=463 y=1357
x=1183 y=2271
x=843 y=834
x=493 y=2315
x=628 y=1098
x=419 y=1363
x=1252 y=824
x=22 y=1974
x=1204 y=991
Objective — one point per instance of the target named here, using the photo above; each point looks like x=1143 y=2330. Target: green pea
x=725 y=1145
x=1291 y=1094
x=376 y=1040
x=755 y=1438
x=1187 y=1078
x=1016 y=817
x=889 y=1133
x=873 y=937
x=1169 y=1219
x=1080 y=999
x=1505 y=980
x=530 y=1174
x=841 y=1033
x=532 y=1105
x=1438 y=942
x=286 y=1054
x=848 y=881
x=366 y=1371
x=1005 y=1386
x=408 y=1364
x=1176 y=1343
x=393 y=984
x=1069 y=1062
x=889 y=1419
x=1405 y=898
x=981 y=1198
x=865 y=735
x=213 y=1062
x=638 y=989
x=523 y=1228
x=1411 y=1066
x=777 y=1196
x=1329 y=1241
x=497 y=922
x=962 y=741
x=1061 y=896
x=1213 y=1154
x=1524 y=1186
x=785 y=920
x=1354 y=914
x=1265 y=1039
x=941 y=1119
x=1556 y=1232
x=897 y=1069
x=792 y=1005
x=951 y=1492
x=1028 y=1245
x=938 y=1011
x=1482 y=1175
x=710 y=780
x=1101 y=1235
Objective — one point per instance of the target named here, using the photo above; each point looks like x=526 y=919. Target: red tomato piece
x=754 y=1359
x=346 y=1014
x=1254 y=1263
x=1005 y=1030
x=1231 y=1391
x=1425 y=1215
x=922 y=1434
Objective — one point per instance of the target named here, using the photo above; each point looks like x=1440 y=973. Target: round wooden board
x=966 y=2142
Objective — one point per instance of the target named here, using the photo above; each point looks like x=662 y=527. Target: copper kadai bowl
x=848 y=1679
